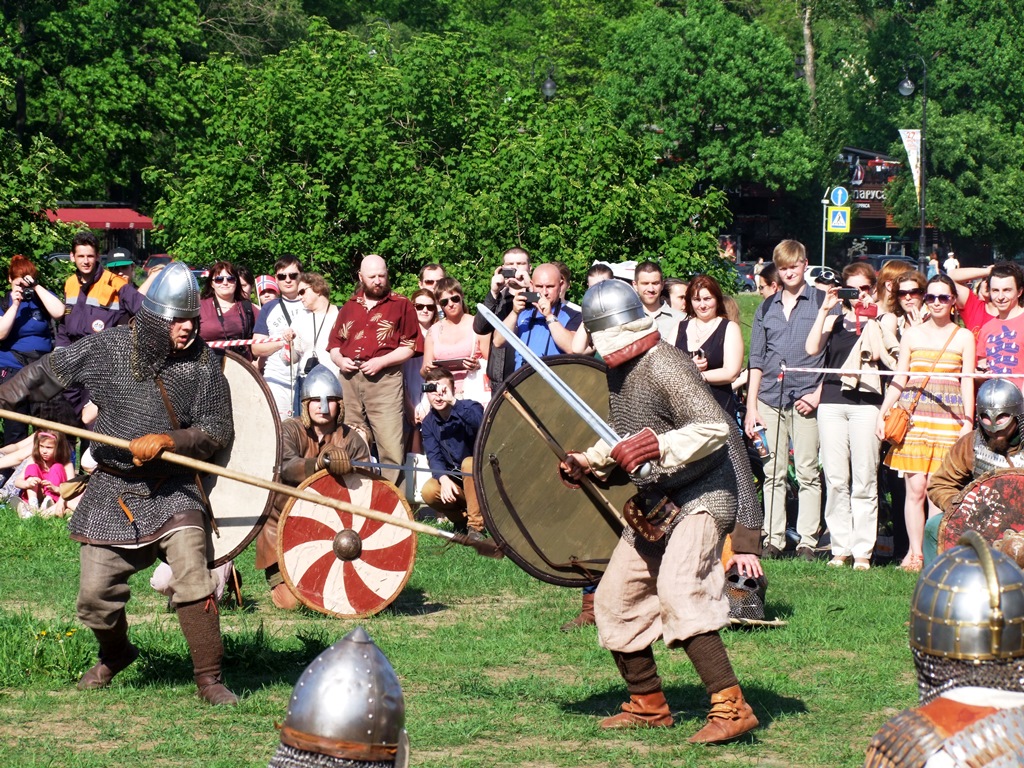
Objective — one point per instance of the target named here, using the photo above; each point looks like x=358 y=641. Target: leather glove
x=335 y=461
x=635 y=450
x=148 y=447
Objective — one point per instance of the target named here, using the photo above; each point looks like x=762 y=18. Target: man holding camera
x=511 y=277
x=539 y=317
x=449 y=432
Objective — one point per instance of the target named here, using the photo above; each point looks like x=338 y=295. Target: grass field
x=488 y=678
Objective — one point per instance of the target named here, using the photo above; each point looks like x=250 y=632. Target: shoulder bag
x=897 y=420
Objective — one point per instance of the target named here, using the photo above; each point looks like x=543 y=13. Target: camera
x=848 y=294
x=430 y=386
x=532 y=297
x=28 y=288
x=508 y=272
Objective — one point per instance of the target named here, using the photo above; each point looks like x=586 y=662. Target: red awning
x=102 y=218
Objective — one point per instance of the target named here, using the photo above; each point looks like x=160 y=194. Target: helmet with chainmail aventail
x=321 y=384
x=610 y=303
x=967 y=620
x=174 y=293
x=346 y=711
x=998 y=401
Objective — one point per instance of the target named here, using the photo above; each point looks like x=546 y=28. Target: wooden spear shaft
x=215 y=469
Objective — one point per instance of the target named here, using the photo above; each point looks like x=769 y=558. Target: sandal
x=838 y=561
x=912 y=563
x=862 y=564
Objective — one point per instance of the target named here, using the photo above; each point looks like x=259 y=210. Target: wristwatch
x=551 y=319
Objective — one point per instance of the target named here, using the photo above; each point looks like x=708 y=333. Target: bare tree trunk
x=809 y=55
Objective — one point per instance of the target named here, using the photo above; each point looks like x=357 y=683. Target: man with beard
x=374 y=334
x=994 y=444
x=157 y=384
x=665 y=577
x=316 y=439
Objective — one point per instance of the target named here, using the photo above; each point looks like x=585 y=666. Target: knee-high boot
x=200 y=623
x=116 y=653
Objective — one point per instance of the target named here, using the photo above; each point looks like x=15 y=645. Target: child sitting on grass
x=40 y=484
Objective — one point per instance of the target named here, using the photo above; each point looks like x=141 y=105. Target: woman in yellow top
x=944 y=411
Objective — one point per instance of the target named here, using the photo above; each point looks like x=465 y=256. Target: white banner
x=912 y=143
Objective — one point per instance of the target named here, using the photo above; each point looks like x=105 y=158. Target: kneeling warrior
x=156 y=383
x=665 y=577
x=967 y=638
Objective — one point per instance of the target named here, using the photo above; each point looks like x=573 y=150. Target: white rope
x=239 y=342
x=912 y=374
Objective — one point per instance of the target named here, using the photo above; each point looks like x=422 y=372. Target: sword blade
x=404 y=467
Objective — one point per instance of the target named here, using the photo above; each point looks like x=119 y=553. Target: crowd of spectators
x=416 y=371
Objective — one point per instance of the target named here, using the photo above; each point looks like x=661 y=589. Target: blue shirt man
x=545 y=324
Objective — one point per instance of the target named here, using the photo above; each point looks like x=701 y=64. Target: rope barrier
x=239 y=342
x=873 y=372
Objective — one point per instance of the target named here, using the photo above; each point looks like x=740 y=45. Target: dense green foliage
x=337 y=127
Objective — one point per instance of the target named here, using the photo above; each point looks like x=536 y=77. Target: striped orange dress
x=935 y=423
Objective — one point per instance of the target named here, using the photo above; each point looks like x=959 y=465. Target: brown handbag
x=897 y=420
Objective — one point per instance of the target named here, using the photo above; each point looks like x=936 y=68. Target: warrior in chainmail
x=347 y=711
x=665 y=577
x=316 y=439
x=156 y=384
x=967 y=637
x=995 y=444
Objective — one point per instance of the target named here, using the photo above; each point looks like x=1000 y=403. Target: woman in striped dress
x=944 y=411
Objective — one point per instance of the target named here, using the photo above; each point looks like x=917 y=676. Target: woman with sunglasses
x=416 y=404
x=907 y=308
x=934 y=350
x=224 y=314
x=847 y=414
x=451 y=342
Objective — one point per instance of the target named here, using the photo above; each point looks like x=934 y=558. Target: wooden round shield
x=557 y=533
x=991 y=504
x=240 y=509
x=339 y=563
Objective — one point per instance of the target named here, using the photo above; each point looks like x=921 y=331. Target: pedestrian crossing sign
x=838 y=218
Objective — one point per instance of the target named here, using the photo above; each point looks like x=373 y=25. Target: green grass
x=488 y=678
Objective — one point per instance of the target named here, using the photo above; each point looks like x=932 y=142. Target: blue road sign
x=839 y=196
x=838 y=220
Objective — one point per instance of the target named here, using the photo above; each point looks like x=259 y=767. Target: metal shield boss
x=240 y=509
x=342 y=564
x=558 y=533
x=990 y=505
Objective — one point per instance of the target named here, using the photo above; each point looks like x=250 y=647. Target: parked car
x=744 y=276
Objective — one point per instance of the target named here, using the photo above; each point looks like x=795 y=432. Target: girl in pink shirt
x=50 y=466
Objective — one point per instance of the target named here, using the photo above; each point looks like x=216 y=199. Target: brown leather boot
x=648 y=710
x=200 y=623
x=116 y=653
x=730 y=716
x=586 y=617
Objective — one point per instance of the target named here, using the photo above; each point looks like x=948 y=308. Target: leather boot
x=730 y=716
x=647 y=710
x=586 y=617
x=200 y=623
x=116 y=653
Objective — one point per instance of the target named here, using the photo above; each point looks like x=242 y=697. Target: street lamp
x=548 y=88
x=907 y=88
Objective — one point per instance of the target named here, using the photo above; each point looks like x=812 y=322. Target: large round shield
x=240 y=509
x=557 y=533
x=342 y=564
x=990 y=504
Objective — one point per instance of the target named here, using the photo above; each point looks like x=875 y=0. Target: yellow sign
x=838 y=218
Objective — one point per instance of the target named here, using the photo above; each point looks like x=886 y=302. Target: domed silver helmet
x=610 y=303
x=320 y=383
x=174 y=293
x=967 y=620
x=347 y=709
x=998 y=402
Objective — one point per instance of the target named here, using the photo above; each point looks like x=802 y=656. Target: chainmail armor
x=289 y=757
x=906 y=740
x=936 y=675
x=986 y=460
x=662 y=389
x=118 y=368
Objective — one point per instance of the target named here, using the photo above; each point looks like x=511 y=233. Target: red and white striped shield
x=347 y=588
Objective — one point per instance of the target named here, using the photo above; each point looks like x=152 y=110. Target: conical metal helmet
x=969 y=604
x=998 y=401
x=174 y=293
x=321 y=382
x=348 y=704
x=610 y=303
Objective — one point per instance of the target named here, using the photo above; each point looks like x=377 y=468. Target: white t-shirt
x=951 y=263
x=279 y=369
x=313 y=331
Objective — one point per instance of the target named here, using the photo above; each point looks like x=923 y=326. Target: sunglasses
x=302 y=291
x=224 y=279
x=942 y=298
x=425 y=307
x=911 y=292
x=453 y=299
x=287 y=276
